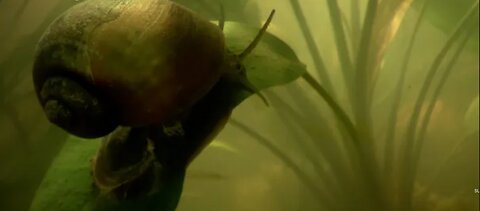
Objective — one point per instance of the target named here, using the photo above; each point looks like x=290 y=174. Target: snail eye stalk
x=257 y=39
x=251 y=88
x=221 y=22
x=244 y=81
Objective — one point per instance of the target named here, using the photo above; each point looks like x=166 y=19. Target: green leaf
x=445 y=14
x=68 y=185
x=271 y=63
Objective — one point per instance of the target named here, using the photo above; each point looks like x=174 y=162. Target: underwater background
x=385 y=119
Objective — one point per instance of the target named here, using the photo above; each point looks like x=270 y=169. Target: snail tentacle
x=239 y=58
x=221 y=21
x=251 y=88
x=257 y=39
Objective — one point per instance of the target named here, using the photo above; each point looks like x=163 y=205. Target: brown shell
x=123 y=166
x=153 y=59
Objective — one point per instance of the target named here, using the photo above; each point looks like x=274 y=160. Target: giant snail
x=106 y=63
x=153 y=75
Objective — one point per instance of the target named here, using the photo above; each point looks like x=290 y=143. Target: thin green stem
x=315 y=154
x=341 y=41
x=349 y=36
x=391 y=129
x=355 y=20
x=285 y=109
x=361 y=162
x=352 y=143
x=431 y=106
x=362 y=110
x=323 y=197
x=312 y=47
x=221 y=21
x=325 y=150
x=408 y=181
x=337 y=110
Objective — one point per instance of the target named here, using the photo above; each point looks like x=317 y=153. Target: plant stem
x=355 y=20
x=337 y=110
x=312 y=47
x=436 y=94
x=407 y=168
x=361 y=162
x=221 y=21
x=309 y=183
x=426 y=120
x=389 y=153
x=362 y=111
x=325 y=150
x=341 y=41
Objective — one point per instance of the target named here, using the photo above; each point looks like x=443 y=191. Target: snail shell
x=126 y=170
x=123 y=167
x=142 y=62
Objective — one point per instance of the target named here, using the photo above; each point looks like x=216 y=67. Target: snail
x=147 y=165
x=151 y=73
x=109 y=63
x=126 y=173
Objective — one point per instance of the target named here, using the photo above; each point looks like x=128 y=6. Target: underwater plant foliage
x=341 y=139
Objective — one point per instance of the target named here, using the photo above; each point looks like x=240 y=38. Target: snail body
x=151 y=71
x=141 y=62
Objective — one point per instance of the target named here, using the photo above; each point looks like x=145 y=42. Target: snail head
x=234 y=62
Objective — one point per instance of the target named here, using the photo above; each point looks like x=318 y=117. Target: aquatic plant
x=370 y=169
x=376 y=124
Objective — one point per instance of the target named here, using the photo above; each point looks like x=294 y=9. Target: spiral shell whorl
x=76 y=110
x=152 y=59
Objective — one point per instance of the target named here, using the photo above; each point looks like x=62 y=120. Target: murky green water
x=385 y=119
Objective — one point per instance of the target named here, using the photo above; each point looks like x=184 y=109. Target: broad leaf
x=68 y=184
x=271 y=63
